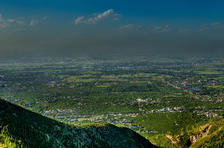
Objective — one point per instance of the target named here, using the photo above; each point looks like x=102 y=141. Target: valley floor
x=164 y=100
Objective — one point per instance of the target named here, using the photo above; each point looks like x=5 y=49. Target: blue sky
x=103 y=23
x=135 y=11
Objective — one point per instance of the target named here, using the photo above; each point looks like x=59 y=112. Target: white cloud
x=34 y=22
x=128 y=26
x=100 y=17
x=132 y=27
x=116 y=17
x=3 y=23
x=215 y=23
x=165 y=28
x=15 y=21
x=97 y=18
x=8 y=22
x=79 y=20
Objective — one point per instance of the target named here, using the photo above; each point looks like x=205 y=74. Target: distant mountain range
x=22 y=128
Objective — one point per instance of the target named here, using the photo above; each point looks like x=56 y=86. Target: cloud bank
x=97 y=18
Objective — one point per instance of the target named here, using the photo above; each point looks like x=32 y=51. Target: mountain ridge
x=22 y=128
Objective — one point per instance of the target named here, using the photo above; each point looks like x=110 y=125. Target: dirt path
x=173 y=139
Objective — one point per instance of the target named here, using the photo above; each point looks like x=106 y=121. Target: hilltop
x=22 y=128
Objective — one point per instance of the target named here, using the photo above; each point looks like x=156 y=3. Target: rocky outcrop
x=204 y=130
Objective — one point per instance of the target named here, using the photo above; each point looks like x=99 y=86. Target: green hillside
x=22 y=128
x=209 y=135
x=214 y=138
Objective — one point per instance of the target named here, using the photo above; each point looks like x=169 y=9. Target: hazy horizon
x=65 y=28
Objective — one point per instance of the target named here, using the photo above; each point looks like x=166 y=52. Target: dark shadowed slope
x=22 y=128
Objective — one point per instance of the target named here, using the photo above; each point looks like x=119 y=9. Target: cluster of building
x=59 y=111
x=167 y=109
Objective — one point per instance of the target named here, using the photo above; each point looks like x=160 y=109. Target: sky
x=73 y=27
